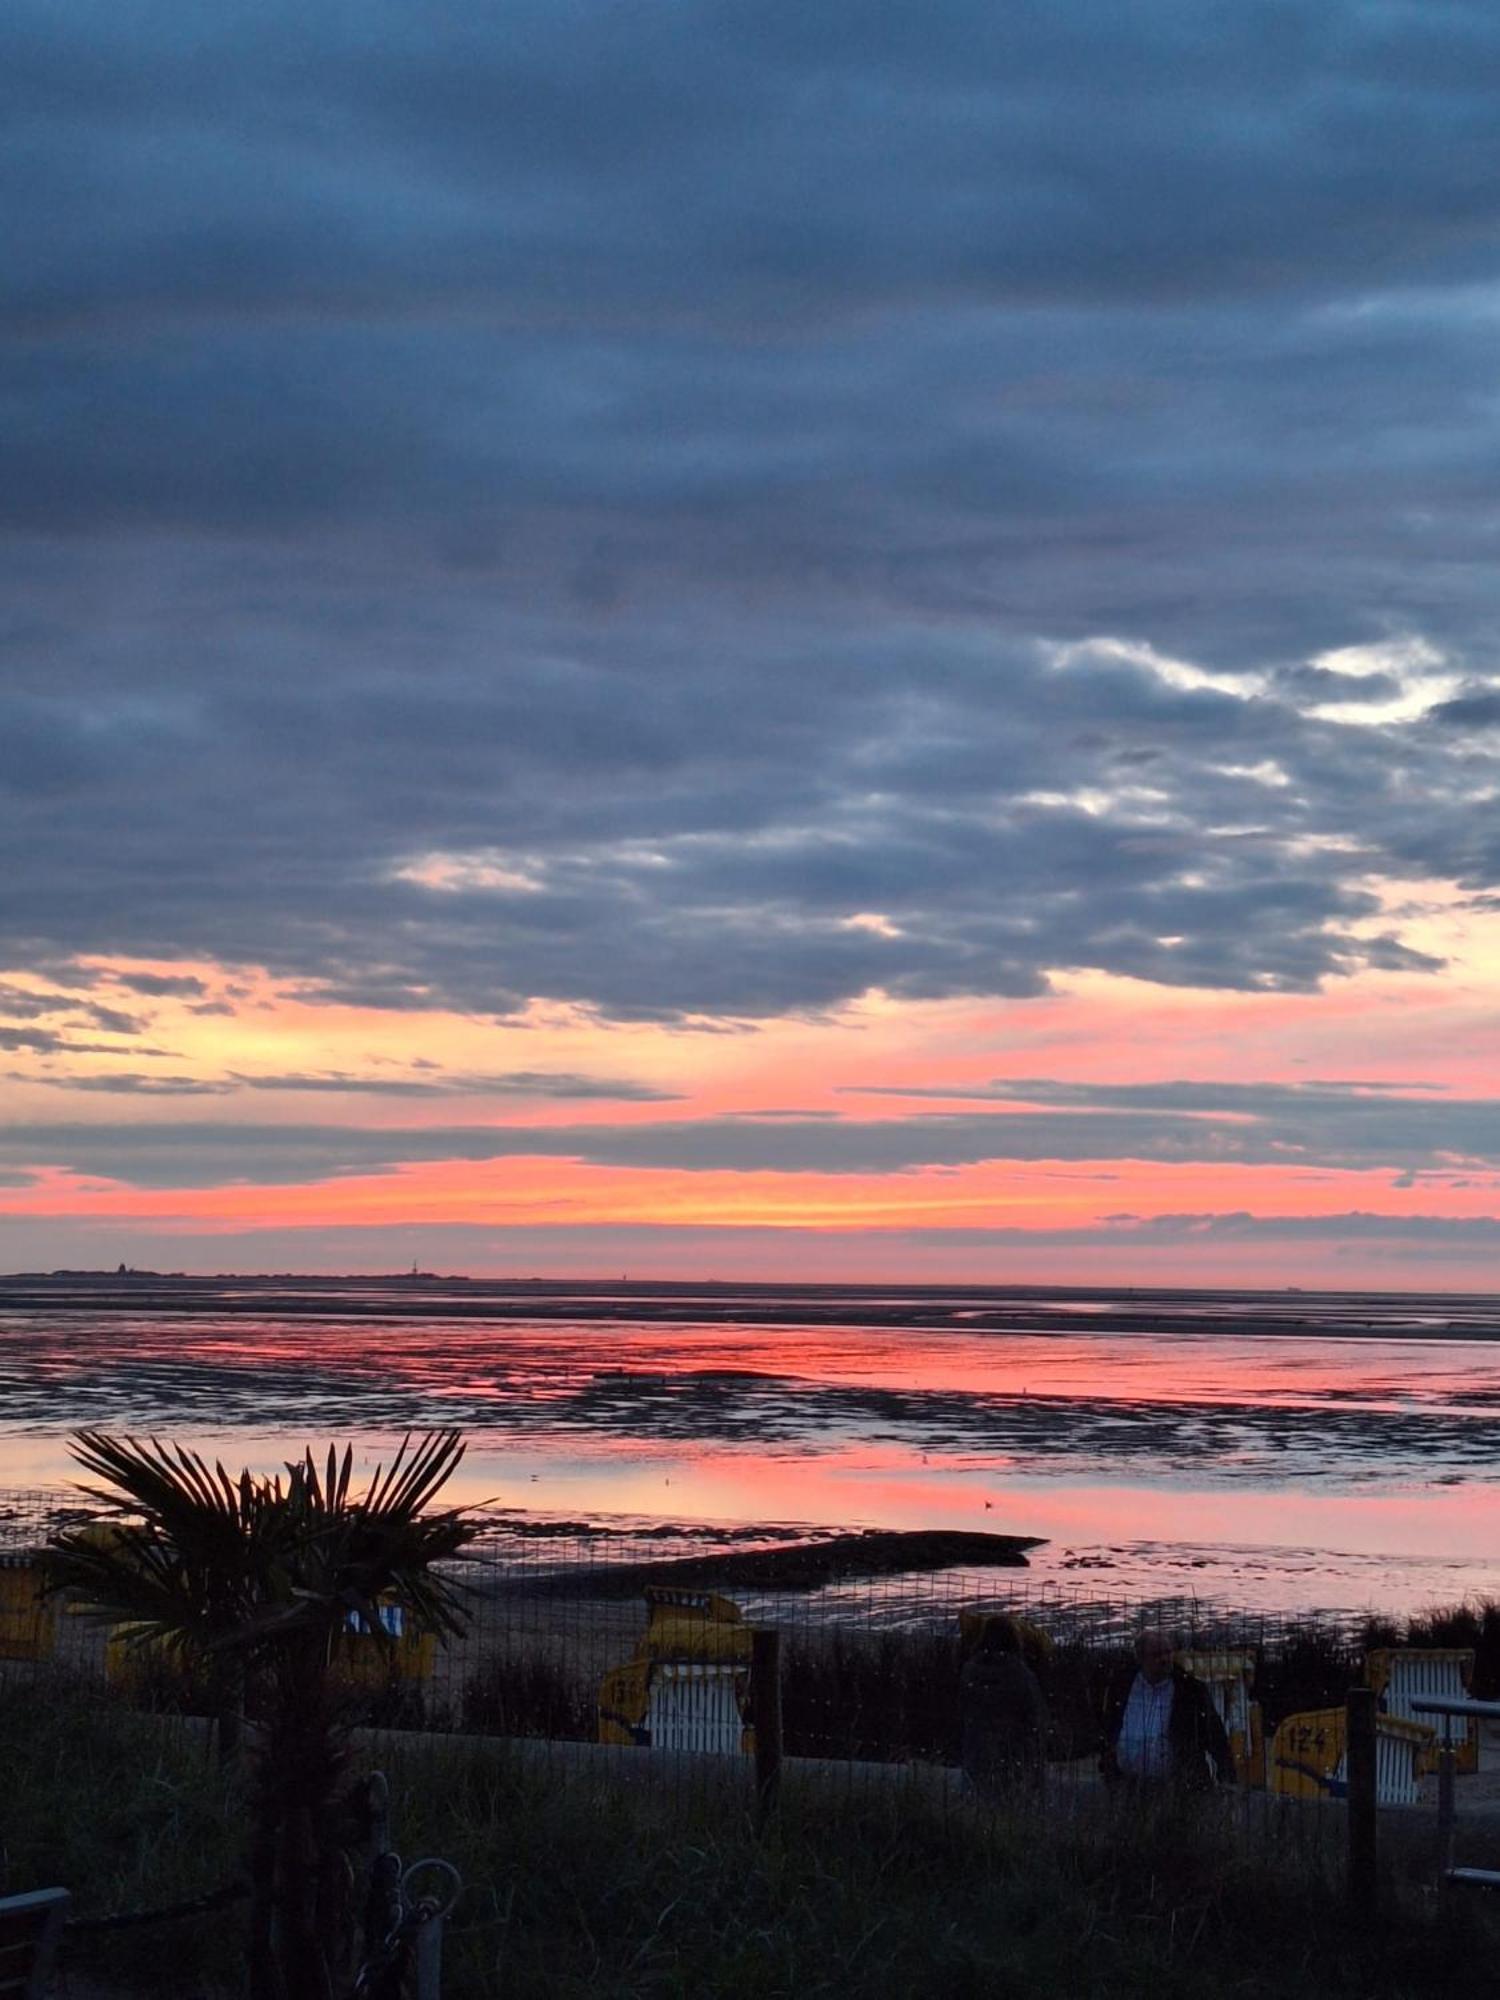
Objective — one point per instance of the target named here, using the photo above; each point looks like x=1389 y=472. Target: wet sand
x=1272 y=1448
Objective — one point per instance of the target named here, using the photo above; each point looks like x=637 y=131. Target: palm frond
x=244 y=1563
x=170 y=1487
x=416 y=1474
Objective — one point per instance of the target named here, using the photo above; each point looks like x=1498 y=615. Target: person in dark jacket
x=1003 y=1715
x=1160 y=1725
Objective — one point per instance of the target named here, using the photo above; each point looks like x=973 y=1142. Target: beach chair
x=1229 y=1676
x=1036 y=1645
x=27 y=1627
x=30 y=1926
x=1307 y=1759
x=1399 y=1674
x=688 y=1685
x=694 y=1705
x=399 y=1654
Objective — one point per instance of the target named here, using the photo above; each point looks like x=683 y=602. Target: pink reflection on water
x=1397 y=1551
x=545 y=1361
x=1249 y=1525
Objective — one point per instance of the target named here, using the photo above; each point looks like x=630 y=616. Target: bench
x=29 y=1928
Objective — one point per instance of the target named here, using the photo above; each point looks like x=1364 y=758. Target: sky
x=750 y=640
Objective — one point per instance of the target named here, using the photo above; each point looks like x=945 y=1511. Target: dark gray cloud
x=163 y=985
x=599 y=162
x=1322 y=1126
x=587 y=507
x=133 y=1083
x=19 y=1003
x=533 y=1084
x=49 y=1041
x=1324 y=1095
x=466 y=1083
x=114 y=1020
x=1477 y=710
x=1479 y=1232
x=69 y=1009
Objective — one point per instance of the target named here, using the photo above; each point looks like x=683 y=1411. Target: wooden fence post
x=380 y=1871
x=765 y=1702
x=1360 y=1770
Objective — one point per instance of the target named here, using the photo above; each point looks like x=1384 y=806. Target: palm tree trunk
x=265 y=1981
x=229 y=1709
x=307 y=1763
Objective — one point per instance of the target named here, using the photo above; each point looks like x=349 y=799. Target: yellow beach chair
x=688 y=1685
x=1036 y=1645
x=1307 y=1759
x=1229 y=1676
x=363 y=1658
x=27 y=1627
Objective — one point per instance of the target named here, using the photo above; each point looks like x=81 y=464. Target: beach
x=1277 y=1450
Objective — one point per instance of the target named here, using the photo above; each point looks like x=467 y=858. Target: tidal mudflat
x=1286 y=1450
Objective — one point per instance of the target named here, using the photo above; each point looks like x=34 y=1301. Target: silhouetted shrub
x=1306 y=1666
x=516 y=1695
x=1475 y=1624
x=881 y=1699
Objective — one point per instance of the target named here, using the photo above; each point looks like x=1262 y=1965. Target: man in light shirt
x=1160 y=1725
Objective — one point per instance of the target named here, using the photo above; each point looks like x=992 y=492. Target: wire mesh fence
x=603 y=1650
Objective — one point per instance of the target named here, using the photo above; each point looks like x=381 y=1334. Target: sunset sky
x=753 y=639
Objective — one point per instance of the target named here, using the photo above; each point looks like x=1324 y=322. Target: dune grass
x=583 y=1894
x=586 y=1893
x=125 y=1813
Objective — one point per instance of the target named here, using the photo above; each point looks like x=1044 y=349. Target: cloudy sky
x=732 y=637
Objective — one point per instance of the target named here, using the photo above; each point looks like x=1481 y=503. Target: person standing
x=1003 y=1715
x=1160 y=1725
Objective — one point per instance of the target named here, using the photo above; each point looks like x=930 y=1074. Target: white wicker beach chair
x=1402 y=1674
x=1398 y=1755
x=692 y=1705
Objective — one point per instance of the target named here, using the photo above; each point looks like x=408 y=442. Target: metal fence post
x=1447 y=1763
x=428 y=1958
x=1359 y=1768
x=765 y=1699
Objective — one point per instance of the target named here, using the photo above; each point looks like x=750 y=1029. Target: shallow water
x=1279 y=1450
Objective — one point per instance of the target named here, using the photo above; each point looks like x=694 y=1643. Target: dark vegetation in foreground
x=575 y=1891
x=579 y=1884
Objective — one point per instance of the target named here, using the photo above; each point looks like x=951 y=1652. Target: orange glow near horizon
x=546 y=1191
x=237 y=1049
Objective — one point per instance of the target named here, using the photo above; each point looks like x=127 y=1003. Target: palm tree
x=256 y=1581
